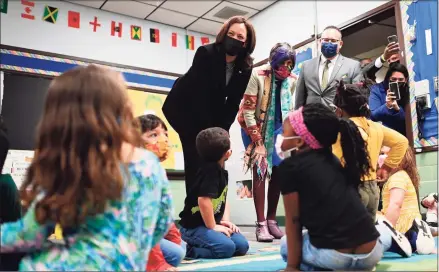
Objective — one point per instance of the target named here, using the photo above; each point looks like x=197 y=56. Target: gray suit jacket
x=308 y=88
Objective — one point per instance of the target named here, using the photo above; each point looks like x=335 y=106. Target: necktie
x=325 y=75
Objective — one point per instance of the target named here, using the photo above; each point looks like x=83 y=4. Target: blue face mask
x=329 y=50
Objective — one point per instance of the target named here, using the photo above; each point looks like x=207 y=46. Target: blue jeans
x=172 y=252
x=315 y=259
x=209 y=244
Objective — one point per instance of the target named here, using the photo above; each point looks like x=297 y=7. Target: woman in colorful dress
x=266 y=103
x=110 y=198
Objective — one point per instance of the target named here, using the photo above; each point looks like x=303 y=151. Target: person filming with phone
x=390 y=55
x=388 y=98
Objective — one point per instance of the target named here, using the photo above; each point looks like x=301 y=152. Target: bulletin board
x=420 y=29
x=147 y=93
x=151 y=103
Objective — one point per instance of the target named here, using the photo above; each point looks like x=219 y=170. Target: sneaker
x=400 y=244
x=424 y=241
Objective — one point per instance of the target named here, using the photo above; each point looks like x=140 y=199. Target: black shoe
x=400 y=244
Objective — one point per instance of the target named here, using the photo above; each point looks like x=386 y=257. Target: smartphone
x=394 y=88
x=392 y=39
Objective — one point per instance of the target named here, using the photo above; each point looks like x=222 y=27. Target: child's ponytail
x=355 y=152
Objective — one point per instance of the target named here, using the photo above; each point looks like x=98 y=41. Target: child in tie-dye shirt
x=110 y=198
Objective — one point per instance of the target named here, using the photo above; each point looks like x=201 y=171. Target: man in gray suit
x=318 y=78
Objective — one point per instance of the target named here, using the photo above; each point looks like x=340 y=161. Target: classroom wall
x=100 y=45
x=294 y=21
x=427 y=166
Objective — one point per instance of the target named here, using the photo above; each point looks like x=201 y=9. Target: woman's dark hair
x=149 y=122
x=250 y=41
x=325 y=126
x=352 y=98
x=398 y=67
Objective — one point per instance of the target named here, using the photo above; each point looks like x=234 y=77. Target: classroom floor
x=266 y=257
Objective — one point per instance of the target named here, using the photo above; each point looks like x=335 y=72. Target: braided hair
x=325 y=126
x=352 y=98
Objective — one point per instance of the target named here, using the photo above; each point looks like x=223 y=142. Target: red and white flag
x=116 y=29
x=28 y=6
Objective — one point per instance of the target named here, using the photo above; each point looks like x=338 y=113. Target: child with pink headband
x=321 y=195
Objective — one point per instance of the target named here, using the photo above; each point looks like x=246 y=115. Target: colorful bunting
x=154 y=35
x=28 y=5
x=74 y=19
x=116 y=29
x=136 y=33
x=50 y=14
x=4 y=6
x=174 y=39
x=95 y=24
x=190 y=42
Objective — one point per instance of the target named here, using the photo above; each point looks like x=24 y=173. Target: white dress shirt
x=330 y=67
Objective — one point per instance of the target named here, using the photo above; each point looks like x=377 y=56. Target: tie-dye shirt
x=117 y=240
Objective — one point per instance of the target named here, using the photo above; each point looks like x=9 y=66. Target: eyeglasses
x=329 y=40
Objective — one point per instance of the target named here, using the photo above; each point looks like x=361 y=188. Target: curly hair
x=408 y=164
x=76 y=169
x=325 y=126
x=352 y=98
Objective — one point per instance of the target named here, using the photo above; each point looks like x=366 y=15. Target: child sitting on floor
x=109 y=196
x=322 y=196
x=400 y=205
x=205 y=224
x=171 y=250
x=10 y=207
x=351 y=103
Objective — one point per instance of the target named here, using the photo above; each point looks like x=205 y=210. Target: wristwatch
x=382 y=59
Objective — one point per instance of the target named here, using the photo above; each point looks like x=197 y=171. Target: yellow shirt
x=410 y=208
x=376 y=136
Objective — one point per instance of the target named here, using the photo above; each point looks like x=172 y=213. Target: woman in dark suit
x=208 y=95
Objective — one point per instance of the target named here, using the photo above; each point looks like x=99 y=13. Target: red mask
x=282 y=72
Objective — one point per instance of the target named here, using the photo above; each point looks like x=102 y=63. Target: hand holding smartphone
x=392 y=39
x=394 y=88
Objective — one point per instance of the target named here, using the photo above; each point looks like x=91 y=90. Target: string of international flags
x=50 y=15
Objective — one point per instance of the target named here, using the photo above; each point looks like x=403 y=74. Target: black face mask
x=233 y=46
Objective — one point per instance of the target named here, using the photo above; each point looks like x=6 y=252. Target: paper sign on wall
x=428 y=42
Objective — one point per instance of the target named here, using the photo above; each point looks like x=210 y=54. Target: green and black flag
x=50 y=14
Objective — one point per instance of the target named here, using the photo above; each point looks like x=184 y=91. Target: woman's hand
x=260 y=152
x=391 y=101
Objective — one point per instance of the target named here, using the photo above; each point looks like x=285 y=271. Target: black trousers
x=191 y=158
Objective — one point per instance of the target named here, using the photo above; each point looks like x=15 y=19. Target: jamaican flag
x=50 y=14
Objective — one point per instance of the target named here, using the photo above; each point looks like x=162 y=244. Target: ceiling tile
x=196 y=8
x=206 y=26
x=93 y=4
x=154 y=3
x=171 y=17
x=259 y=5
x=211 y=15
x=130 y=8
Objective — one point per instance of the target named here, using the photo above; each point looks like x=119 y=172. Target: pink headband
x=296 y=121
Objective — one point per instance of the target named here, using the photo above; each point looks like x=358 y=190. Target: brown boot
x=262 y=233
x=274 y=229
